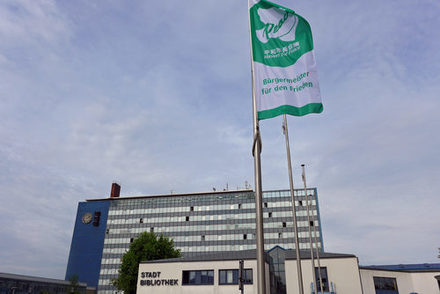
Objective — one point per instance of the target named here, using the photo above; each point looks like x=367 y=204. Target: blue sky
x=157 y=96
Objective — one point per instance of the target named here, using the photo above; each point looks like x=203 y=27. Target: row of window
x=212 y=248
x=175 y=209
x=111 y=261
x=288 y=203
x=226 y=237
x=208 y=197
x=203 y=228
x=179 y=200
x=287 y=213
x=216 y=217
x=230 y=237
x=225 y=277
x=201 y=277
x=209 y=227
x=103 y=282
x=109 y=271
x=192 y=228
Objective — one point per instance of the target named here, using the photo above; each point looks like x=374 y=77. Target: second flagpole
x=295 y=225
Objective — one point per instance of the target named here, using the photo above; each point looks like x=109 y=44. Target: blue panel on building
x=88 y=242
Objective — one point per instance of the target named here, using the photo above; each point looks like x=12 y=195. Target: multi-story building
x=197 y=222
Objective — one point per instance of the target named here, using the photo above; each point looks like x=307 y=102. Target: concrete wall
x=421 y=283
x=343 y=272
x=173 y=271
x=425 y=283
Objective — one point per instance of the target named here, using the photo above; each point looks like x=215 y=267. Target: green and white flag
x=285 y=74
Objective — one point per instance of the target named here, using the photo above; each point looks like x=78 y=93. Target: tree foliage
x=74 y=284
x=147 y=246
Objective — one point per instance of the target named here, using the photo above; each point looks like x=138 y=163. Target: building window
x=280 y=235
x=205 y=277
x=187 y=218
x=96 y=218
x=230 y=277
x=151 y=229
x=191 y=208
x=203 y=238
x=141 y=220
x=270 y=214
x=385 y=285
x=284 y=225
x=265 y=204
x=239 y=205
x=244 y=236
x=312 y=223
x=324 y=278
x=300 y=202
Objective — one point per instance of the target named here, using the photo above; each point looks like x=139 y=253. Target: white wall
x=174 y=271
x=343 y=272
x=421 y=283
x=425 y=283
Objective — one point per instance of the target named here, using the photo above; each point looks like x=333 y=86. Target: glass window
x=203 y=277
x=385 y=285
x=230 y=277
x=324 y=278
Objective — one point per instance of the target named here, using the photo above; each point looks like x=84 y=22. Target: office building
x=197 y=222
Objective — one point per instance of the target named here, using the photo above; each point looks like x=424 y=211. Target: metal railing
x=330 y=290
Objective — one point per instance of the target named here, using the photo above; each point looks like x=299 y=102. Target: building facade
x=205 y=273
x=340 y=274
x=401 y=278
x=197 y=223
x=21 y=284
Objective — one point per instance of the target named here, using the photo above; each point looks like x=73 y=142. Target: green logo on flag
x=276 y=25
x=279 y=36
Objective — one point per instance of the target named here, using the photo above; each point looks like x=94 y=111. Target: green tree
x=74 y=284
x=147 y=246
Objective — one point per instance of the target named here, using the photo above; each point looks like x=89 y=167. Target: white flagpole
x=312 y=259
x=295 y=224
x=256 y=151
x=314 y=232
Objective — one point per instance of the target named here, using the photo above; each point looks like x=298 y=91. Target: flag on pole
x=285 y=74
